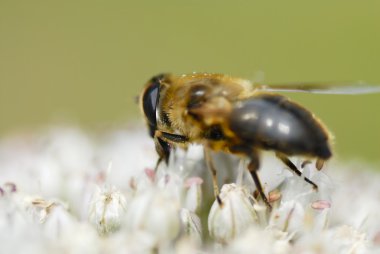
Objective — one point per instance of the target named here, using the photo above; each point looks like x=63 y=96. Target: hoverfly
x=229 y=114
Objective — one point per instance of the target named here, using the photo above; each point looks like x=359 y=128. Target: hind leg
x=294 y=169
x=253 y=167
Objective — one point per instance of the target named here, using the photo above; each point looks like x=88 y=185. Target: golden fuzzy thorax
x=176 y=96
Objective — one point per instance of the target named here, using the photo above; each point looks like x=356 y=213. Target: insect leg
x=211 y=167
x=175 y=138
x=163 y=148
x=294 y=169
x=253 y=167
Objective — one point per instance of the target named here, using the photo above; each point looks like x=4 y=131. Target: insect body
x=272 y=122
x=228 y=114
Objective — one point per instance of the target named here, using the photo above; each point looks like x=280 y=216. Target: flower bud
x=191 y=225
x=233 y=216
x=57 y=221
x=193 y=196
x=107 y=209
x=156 y=212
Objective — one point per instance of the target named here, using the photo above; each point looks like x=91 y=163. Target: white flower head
x=50 y=200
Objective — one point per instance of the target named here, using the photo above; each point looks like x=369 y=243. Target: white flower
x=356 y=201
x=14 y=220
x=57 y=222
x=256 y=240
x=343 y=239
x=136 y=241
x=191 y=225
x=300 y=208
x=228 y=220
x=156 y=212
x=350 y=239
x=107 y=208
x=193 y=197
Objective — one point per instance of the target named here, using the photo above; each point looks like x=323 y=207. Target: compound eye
x=150 y=99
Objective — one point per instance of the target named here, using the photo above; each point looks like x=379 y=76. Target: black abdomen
x=272 y=122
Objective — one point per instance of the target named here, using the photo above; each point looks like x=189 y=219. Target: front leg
x=163 y=150
x=163 y=141
x=172 y=138
x=211 y=167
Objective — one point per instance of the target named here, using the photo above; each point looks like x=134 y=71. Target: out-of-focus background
x=85 y=61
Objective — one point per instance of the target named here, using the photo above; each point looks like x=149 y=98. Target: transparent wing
x=323 y=88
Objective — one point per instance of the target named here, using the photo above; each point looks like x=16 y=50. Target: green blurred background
x=85 y=61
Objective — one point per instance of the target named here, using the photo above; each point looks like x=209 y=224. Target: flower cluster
x=64 y=191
